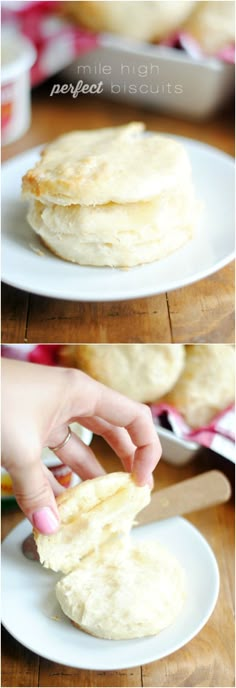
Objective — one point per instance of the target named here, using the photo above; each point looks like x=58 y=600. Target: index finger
x=120 y=411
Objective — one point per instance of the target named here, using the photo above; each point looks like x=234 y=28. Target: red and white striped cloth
x=218 y=435
x=184 y=41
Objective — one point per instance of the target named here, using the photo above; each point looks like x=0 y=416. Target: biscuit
x=206 y=385
x=114 y=588
x=143 y=372
x=118 y=165
x=123 y=591
x=212 y=24
x=90 y=514
x=143 y=21
x=118 y=235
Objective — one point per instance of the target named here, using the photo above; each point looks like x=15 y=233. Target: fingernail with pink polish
x=45 y=521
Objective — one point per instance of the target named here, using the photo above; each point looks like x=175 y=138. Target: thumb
x=35 y=497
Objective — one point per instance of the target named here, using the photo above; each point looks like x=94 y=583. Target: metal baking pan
x=156 y=77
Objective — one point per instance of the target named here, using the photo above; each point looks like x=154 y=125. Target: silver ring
x=62 y=444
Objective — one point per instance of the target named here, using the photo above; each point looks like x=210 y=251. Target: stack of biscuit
x=112 y=197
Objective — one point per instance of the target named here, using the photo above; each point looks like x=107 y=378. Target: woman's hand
x=38 y=404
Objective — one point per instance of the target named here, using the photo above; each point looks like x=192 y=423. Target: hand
x=38 y=403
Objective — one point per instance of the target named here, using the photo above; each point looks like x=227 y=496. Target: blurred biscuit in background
x=144 y=21
x=207 y=384
x=212 y=24
x=141 y=371
x=198 y=380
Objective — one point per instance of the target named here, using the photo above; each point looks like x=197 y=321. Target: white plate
x=28 y=589
x=210 y=250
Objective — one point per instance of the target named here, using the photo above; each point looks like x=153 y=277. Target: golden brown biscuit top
x=117 y=165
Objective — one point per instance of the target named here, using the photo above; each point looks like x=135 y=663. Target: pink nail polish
x=45 y=521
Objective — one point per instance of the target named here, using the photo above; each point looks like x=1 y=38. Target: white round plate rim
x=126 y=282
x=180 y=524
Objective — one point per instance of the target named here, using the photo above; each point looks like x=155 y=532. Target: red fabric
x=219 y=434
x=57 y=41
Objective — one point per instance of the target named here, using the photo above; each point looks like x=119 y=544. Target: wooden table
x=208 y=660
x=202 y=313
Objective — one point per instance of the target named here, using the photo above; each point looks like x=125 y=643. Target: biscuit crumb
x=36 y=250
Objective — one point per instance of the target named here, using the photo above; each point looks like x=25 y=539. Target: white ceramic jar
x=18 y=56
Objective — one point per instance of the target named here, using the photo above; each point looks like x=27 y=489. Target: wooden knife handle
x=200 y=492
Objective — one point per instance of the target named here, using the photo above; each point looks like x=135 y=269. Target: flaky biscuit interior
x=115 y=588
x=90 y=514
x=124 y=590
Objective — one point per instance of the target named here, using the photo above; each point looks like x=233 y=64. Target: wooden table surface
x=208 y=660
x=198 y=313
